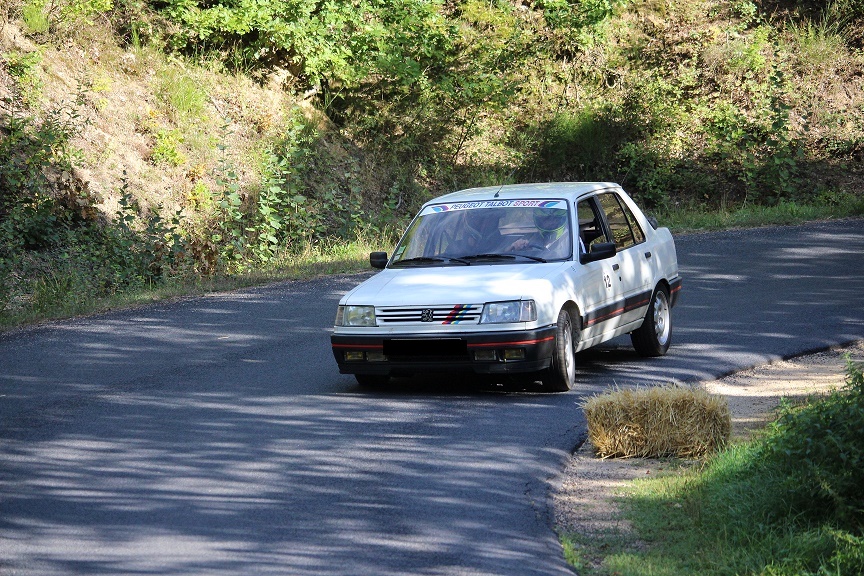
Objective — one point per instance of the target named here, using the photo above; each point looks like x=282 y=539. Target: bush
x=785 y=504
x=821 y=445
x=578 y=145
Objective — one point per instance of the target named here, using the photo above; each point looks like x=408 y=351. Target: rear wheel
x=371 y=380
x=655 y=334
x=561 y=375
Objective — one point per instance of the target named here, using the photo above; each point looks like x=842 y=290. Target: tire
x=655 y=335
x=371 y=380
x=561 y=375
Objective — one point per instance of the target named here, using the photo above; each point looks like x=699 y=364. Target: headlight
x=355 y=316
x=505 y=312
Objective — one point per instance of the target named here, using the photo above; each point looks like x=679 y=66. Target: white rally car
x=511 y=280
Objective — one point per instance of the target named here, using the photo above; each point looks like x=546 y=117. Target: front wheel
x=561 y=375
x=655 y=334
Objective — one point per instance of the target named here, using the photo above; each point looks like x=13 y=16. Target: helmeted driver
x=549 y=237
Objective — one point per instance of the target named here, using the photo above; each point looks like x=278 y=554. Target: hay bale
x=655 y=422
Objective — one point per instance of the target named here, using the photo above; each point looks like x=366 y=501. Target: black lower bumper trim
x=478 y=352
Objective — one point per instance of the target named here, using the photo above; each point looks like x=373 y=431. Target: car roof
x=569 y=190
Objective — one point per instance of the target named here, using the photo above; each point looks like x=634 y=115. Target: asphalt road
x=215 y=435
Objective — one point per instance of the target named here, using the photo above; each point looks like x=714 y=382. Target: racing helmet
x=550 y=221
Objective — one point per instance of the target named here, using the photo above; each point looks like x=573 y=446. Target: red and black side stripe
x=633 y=302
x=616 y=309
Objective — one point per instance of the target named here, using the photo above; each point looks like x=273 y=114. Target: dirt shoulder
x=585 y=502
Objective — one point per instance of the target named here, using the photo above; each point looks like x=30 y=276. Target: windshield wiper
x=428 y=260
x=493 y=256
x=534 y=258
x=488 y=257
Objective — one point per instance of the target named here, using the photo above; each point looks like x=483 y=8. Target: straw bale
x=660 y=421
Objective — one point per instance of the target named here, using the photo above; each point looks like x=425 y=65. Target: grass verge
x=788 y=503
x=67 y=302
x=690 y=219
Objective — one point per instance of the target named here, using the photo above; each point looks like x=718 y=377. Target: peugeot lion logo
x=427 y=315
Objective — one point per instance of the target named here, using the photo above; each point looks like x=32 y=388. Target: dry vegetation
x=659 y=421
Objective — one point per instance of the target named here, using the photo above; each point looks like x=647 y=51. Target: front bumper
x=472 y=352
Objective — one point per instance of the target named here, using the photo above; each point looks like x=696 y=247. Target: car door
x=600 y=289
x=631 y=269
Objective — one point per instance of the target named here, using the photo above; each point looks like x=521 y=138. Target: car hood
x=455 y=285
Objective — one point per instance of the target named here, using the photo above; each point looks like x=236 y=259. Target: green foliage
x=821 y=445
x=746 y=10
x=575 y=25
x=336 y=42
x=759 y=147
x=786 y=504
x=56 y=253
x=34 y=17
x=135 y=23
x=817 y=43
x=281 y=216
x=70 y=12
x=410 y=76
x=181 y=93
x=227 y=199
x=845 y=16
x=24 y=68
x=652 y=173
x=143 y=248
x=44 y=16
x=578 y=146
x=165 y=150
x=29 y=213
x=829 y=204
x=695 y=105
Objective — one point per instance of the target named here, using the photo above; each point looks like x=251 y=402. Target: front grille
x=450 y=314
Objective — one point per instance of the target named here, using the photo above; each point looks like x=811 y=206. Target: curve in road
x=215 y=436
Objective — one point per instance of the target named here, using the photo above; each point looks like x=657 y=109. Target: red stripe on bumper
x=517 y=343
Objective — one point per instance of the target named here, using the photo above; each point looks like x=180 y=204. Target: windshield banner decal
x=438 y=208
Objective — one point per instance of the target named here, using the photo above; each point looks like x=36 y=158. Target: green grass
x=688 y=219
x=34 y=18
x=181 y=93
x=786 y=504
x=61 y=294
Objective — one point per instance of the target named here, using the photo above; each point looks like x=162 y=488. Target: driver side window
x=590 y=223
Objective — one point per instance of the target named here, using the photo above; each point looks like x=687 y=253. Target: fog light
x=353 y=356
x=485 y=355
x=514 y=354
x=376 y=356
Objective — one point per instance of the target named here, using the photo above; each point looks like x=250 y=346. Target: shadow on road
x=216 y=436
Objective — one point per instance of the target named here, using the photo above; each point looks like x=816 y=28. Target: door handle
x=615 y=267
x=647 y=254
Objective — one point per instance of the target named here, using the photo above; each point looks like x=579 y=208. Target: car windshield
x=487 y=232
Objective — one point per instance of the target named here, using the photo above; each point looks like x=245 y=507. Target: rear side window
x=625 y=230
x=638 y=234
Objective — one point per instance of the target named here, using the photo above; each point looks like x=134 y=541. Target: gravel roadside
x=585 y=501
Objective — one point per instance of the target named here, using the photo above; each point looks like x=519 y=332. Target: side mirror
x=378 y=259
x=652 y=221
x=599 y=251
